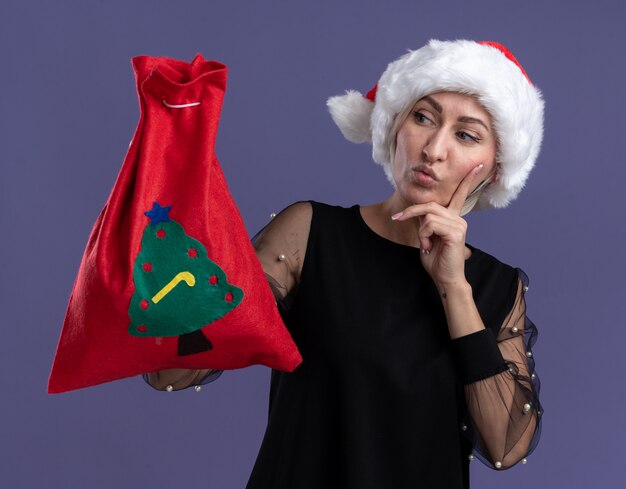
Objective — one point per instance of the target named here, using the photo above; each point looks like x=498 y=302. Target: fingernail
x=396 y=216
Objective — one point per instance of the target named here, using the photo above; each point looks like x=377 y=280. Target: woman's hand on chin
x=442 y=233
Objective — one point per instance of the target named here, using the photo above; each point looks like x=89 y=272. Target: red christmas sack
x=169 y=278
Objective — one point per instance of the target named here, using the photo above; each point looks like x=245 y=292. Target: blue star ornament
x=158 y=214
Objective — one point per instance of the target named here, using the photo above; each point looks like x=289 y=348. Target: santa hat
x=486 y=70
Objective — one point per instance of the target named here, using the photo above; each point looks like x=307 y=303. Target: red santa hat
x=486 y=70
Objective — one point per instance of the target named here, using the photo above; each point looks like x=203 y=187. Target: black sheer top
x=384 y=398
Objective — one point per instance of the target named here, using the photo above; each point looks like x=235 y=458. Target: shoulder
x=489 y=275
x=293 y=222
x=303 y=218
x=311 y=211
x=483 y=263
x=295 y=212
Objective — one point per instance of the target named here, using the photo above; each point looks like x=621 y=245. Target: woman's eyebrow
x=465 y=118
x=434 y=103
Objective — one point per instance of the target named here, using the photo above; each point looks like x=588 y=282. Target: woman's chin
x=419 y=195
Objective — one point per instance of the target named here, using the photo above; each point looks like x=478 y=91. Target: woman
x=416 y=347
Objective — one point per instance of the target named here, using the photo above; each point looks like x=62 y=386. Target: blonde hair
x=474 y=195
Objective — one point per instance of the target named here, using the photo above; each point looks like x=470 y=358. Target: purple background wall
x=68 y=110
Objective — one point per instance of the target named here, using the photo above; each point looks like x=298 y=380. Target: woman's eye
x=462 y=135
x=419 y=117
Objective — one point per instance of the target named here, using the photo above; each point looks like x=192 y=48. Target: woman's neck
x=378 y=218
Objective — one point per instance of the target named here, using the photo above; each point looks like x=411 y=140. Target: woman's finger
x=450 y=230
x=425 y=243
x=463 y=190
x=420 y=210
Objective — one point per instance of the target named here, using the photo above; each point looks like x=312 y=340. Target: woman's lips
x=424 y=176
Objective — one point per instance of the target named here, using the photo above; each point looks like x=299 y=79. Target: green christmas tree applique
x=178 y=289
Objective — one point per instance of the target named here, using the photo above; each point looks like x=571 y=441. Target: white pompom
x=352 y=113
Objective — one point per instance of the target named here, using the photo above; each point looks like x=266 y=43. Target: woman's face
x=445 y=135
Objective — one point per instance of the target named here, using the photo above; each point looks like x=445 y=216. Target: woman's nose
x=436 y=148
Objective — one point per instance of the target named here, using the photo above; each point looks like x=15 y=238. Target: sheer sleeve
x=503 y=419
x=281 y=247
x=178 y=379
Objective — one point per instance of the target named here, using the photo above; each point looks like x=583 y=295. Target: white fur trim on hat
x=515 y=105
